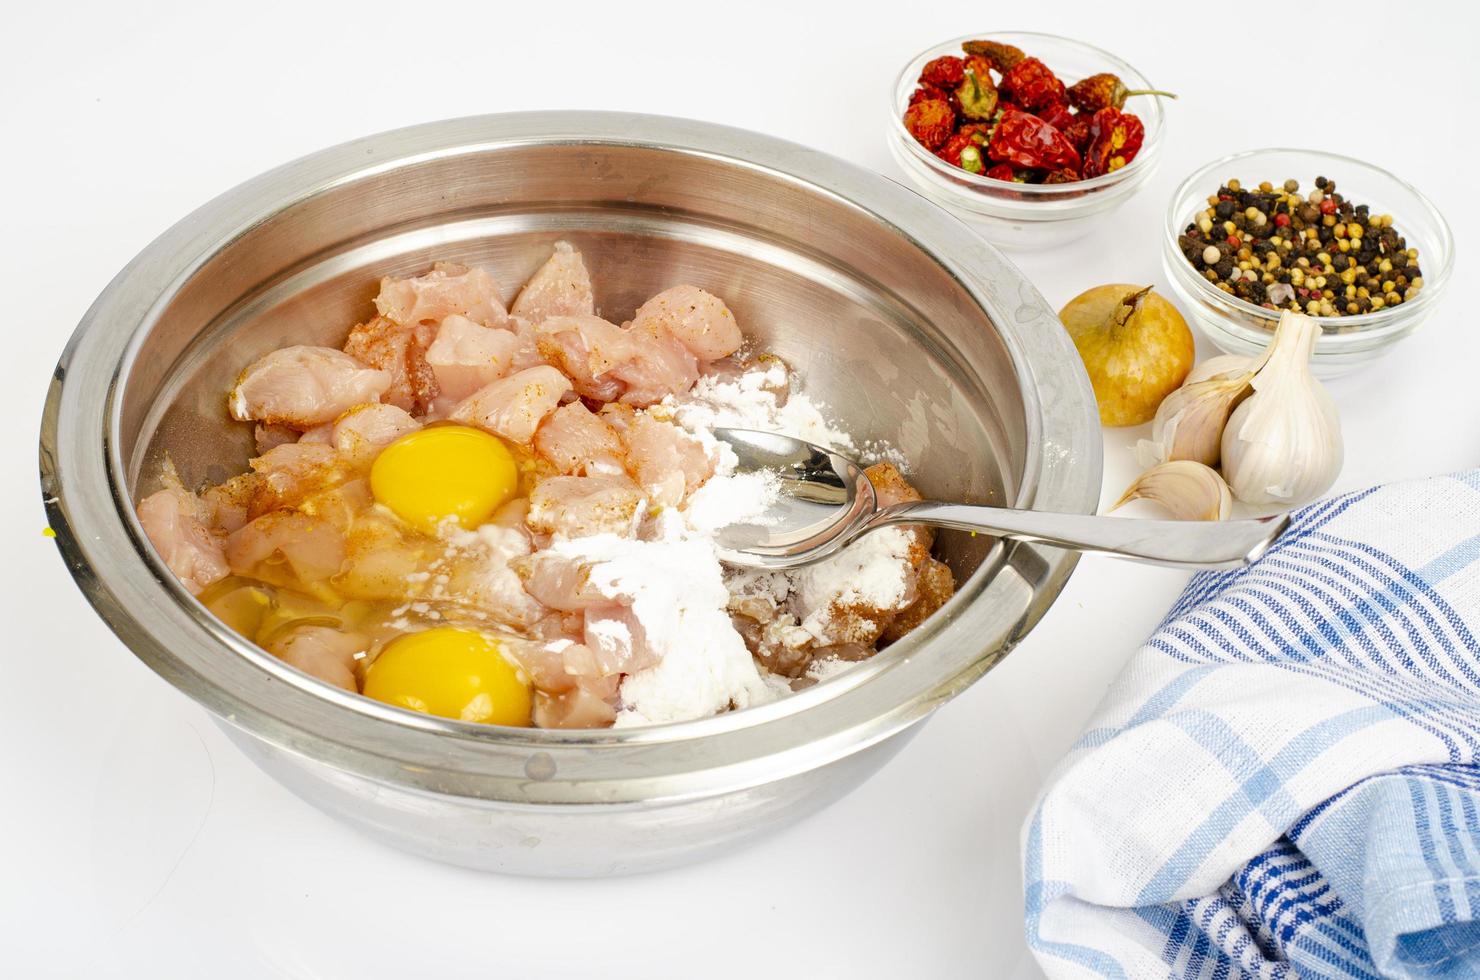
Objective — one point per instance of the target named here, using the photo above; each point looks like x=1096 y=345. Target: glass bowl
x=1027 y=216
x=1347 y=342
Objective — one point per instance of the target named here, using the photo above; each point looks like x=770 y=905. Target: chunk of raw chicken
x=320 y=651
x=466 y=356
x=559 y=582
x=364 y=430
x=699 y=320
x=580 y=506
x=607 y=362
x=293 y=471
x=615 y=642
x=450 y=288
x=580 y=707
x=267 y=437
x=890 y=488
x=668 y=463
x=303 y=387
x=177 y=525
x=400 y=351
x=660 y=367
x=561 y=287
x=580 y=443
x=586 y=348
x=934 y=584
x=286 y=548
x=514 y=407
x=484 y=578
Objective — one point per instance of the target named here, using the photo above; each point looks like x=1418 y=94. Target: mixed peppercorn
x=1314 y=253
x=999 y=113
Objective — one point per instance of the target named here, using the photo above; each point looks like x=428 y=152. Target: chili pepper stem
x=1150 y=91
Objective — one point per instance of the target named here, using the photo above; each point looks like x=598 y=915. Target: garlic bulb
x=1189 y=422
x=1282 y=445
x=1189 y=491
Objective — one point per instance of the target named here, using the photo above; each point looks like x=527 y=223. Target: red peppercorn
x=1328 y=205
x=944 y=72
x=1281 y=220
x=1233 y=240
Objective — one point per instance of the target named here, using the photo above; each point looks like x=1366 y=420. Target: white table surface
x=136 y=842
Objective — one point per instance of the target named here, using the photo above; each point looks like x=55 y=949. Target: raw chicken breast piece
x=286 y=548
x=293 y=471
x=661 y=366
x=365 y=430
x=466 y=356
x=322 y=652
x=559 y=582
x=561 y=287
x=580 y=707
x=607 y=362
x=514 y=407
x=303 y=387
x=450 y=288
x=176 y=522
x=580 y=506
x=579 y=443
x=587 y=348
x=400 y=352
x=616 y=642
x=699 y=320
x=487 y=580
x=668 y=462
x=268 y=437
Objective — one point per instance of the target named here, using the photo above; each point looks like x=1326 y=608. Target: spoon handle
x=1179 y=544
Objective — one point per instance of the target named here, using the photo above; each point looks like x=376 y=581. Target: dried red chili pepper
x=1002 y=56
x=1003 y=171
x=1058 y=116
x=930 y=122
x=925 y=92
x=1064 y=175
x=1098 y=91
x=943 y=72
x=1115 y=138
x=977 y=96
x=982 y=66
x=1031 y=85
x=1077 y=132
x=979 y=132
x=950 y=152
x=1023 y=139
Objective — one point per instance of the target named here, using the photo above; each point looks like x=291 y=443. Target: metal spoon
x=826 y=502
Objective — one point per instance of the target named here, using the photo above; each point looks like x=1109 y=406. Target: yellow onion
x=1135 y=346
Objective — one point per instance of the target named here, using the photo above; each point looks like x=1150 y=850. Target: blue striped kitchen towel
x=1285 y=782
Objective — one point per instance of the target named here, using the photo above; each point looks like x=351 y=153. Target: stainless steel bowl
x=906 y=325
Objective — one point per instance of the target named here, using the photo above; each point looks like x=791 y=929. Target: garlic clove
x=1283 y=445
x=1189 y=422
x=1224 y=366
x=1188 y=490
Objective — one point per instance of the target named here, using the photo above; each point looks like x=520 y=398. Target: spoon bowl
x=825 y=501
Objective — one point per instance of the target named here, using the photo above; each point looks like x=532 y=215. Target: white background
x=134 y=841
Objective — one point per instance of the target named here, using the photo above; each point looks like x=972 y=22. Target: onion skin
x=1136 y=348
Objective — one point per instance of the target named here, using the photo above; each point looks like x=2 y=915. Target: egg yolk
x=444 y=471
x=455 y=673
